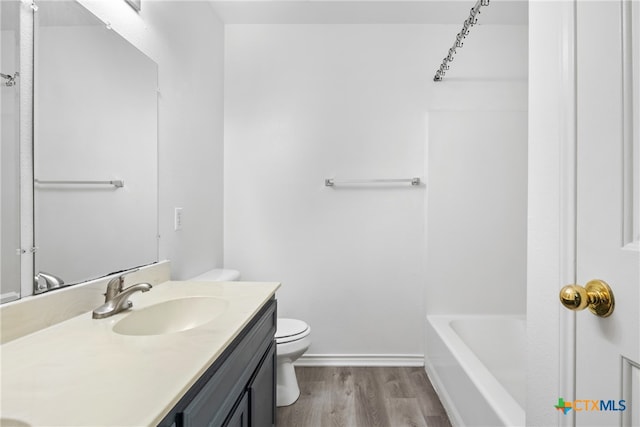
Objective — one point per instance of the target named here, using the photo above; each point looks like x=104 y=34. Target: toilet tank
x=218 y=275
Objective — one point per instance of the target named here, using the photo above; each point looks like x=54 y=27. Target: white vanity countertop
x=81 y=373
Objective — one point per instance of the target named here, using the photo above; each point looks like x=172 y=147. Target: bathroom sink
x=171 y=316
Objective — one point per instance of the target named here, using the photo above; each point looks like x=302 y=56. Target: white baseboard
x=361 y=360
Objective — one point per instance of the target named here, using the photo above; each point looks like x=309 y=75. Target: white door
x=608 y=210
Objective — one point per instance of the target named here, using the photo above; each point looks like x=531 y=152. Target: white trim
x=361 y=360
x=551 y=208
x=630 y=123
x=568 y=205
x=26 y=148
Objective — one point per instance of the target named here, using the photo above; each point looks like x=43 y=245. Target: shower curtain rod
x=468 y=23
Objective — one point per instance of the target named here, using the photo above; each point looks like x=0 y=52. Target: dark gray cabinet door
x=262 y=391
x=240 y=415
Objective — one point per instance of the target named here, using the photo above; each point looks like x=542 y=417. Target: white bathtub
x=477 y=366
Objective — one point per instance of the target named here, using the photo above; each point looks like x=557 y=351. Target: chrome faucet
x=44 y=281
x=116 y=298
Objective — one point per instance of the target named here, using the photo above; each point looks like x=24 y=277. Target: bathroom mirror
x=10 y=150
x=95 y=149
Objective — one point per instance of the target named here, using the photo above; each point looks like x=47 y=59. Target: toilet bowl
x=292 y=341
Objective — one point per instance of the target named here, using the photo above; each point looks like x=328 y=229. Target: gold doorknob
x=596 y=295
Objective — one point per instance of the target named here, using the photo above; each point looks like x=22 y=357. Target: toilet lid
x=291 y=329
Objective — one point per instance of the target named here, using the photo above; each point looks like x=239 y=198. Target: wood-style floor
x=363 y=397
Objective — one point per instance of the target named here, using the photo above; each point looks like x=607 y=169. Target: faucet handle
x=115 y=285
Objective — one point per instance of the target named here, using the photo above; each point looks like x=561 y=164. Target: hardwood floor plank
x=438 y=421
x=305 y=411
x=339 y=410
x=370 y=405
x=396 y=382
x=311 y=373
x=405 y=412
x=364 y=397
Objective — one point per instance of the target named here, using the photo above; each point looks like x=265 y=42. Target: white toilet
x=292 y=341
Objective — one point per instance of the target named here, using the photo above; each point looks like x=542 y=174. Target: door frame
x=551 y=250
x=27 y=241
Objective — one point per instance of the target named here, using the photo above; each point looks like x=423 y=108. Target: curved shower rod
x=468 y=23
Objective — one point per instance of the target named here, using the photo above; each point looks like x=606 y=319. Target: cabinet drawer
x=214 y=402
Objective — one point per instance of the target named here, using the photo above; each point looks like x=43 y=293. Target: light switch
x=177 y=219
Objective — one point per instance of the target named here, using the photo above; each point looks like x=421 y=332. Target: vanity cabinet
x=239 y=389
x=240 y=416
x=256 y=407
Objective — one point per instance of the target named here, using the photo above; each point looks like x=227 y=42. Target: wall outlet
x=177 y=219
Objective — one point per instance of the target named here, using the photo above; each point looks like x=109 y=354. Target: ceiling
x=499 y=12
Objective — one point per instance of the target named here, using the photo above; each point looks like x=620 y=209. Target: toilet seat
x=289 y=330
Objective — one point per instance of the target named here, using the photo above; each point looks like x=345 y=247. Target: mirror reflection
x=9 y=151
x=95 y=149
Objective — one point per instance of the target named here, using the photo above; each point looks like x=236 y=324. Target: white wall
x=477 y=211
x=308 y=102
x=186 y=39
